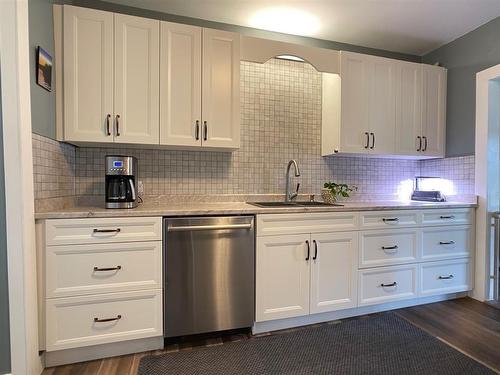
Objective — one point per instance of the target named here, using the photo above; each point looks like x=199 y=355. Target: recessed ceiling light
x=285 y=20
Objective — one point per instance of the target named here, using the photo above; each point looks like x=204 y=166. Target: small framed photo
x=43 y=69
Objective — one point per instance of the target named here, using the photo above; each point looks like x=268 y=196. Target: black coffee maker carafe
x=121 y=181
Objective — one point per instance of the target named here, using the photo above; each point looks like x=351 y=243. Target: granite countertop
x=236 y=208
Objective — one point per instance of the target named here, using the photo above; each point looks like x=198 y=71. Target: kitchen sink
x=292 y=204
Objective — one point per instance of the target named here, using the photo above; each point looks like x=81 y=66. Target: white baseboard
x=275 y=325
x=89 y=353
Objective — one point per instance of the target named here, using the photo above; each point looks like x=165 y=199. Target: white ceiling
x=407 y=26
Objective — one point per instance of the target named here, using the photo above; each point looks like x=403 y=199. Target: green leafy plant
x=339 y=190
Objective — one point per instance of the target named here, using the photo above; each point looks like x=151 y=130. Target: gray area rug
x=378 y=344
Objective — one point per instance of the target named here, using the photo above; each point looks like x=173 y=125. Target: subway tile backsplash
x=280 y=120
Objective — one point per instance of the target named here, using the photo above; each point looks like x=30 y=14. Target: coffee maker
x=121 y=181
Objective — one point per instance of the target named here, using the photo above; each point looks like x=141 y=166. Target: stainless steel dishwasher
x=208 y=274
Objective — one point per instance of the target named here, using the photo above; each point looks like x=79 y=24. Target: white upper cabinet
x=136 y=79
x=200 y=86
x=388 y=108
x=111 y=77
x=434 y=110
x=180 y=85
x=221 y=89
x=88 y=75
x=408 y=108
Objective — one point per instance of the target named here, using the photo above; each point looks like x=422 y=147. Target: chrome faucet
x=289 y=195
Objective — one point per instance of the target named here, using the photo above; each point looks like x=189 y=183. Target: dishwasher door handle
x=209 y=227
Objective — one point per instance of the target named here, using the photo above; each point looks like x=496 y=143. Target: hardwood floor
x=468 y=325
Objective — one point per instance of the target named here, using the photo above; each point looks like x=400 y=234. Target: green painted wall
x=464 y=57
x=41 y=33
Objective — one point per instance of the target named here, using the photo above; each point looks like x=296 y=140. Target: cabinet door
x=88 y=74
x=354 y=103
x=434 y=113
x=221 y=89
x=137 y=71
x=180 y=85
x=282 y=277
x=333 y=271
x=409 y=109
x=382 y=106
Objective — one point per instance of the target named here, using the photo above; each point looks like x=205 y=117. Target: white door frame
x=486 y=182
x=19 y=197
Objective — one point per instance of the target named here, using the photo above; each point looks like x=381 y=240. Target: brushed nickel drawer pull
x=97 y=320
x=447 y=217
x=117 y=268
x=446 y=242
x=395 y=247
x=388 y=285
x=390 y=220
x=445 y=277
x=117 y=230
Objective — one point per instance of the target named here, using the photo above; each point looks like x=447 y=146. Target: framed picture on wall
x=43 y=69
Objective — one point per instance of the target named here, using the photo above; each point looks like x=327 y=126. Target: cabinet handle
x=108 y=131
x=205 y=130
x=373 y=141
x=447 y=217
x=197 y=130
x=388 y=285
x=446 y=242
x=315 y=250
x=390 y=220
x=97 y=320
x=308 y=250
x=117 y=125
x=117 y=230
x=395 y=247
x=117 y=268
x=446 y=277
x=425 y=143
x=419 y=138
x=367 y=139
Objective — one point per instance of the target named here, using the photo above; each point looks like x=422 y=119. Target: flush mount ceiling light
x=285 y=20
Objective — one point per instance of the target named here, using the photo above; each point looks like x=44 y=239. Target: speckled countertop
x=156 y=208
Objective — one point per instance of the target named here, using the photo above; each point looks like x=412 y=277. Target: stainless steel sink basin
x=273 y=204
x=317 y=204
x=292 y=204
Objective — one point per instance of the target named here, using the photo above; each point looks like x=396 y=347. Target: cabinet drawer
x=382 y=247
x=387 y=284
x=445 y=277
x=388 y=219
x=446 y=242
x=274 y=224
x=74 y=270
x=71 y=322
x=81 y=231
x=447 y=216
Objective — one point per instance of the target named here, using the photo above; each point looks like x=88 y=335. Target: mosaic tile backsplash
x=280 y=120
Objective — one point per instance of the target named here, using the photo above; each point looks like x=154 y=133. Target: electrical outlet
x=140 y=187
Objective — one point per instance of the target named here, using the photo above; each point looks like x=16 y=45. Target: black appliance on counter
x=426 y=190
x=121 y=181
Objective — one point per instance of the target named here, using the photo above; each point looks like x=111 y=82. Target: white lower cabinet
x=305 y=273
x=282 y=277
x=89 y=320
x=333 y=280
x=445 y=277
x=322 y=262
x=387 y=284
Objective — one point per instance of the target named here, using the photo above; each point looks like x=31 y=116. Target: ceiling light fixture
x=285 y=20
x=290 y=57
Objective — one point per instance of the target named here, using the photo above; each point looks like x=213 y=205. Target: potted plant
x=332 y=191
